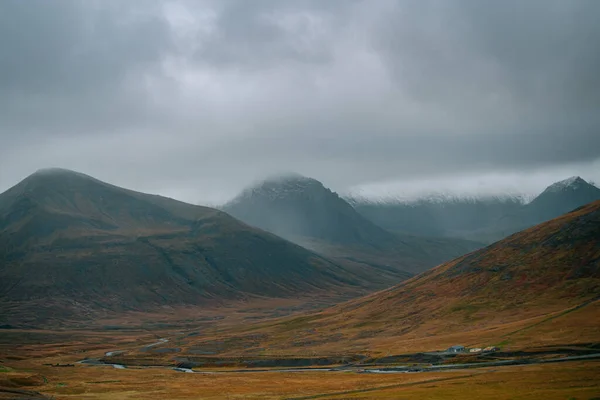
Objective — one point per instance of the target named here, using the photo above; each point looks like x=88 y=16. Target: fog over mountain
x=195 y=99
x=484 y=219
x=524 y=187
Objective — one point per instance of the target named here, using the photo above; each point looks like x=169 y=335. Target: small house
x=456 y=349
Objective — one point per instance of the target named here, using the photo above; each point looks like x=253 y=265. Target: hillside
x=537 y=287
x=71 y=245
x=304 y=211
x=482 y=219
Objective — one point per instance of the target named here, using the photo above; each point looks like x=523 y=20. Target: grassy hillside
x=72 y=246
x=537 y=287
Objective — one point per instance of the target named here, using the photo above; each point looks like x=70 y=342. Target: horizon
x=384 y=192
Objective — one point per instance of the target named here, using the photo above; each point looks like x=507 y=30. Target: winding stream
x=95 y=361
x=384 y=370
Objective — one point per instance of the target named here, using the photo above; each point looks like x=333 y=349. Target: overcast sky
x=197 y=99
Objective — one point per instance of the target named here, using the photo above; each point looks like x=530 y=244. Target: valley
x=110 y=293
x=53 y=370
x=299 y=199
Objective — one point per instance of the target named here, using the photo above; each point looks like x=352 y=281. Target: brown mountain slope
x=71 y=246
x=539 y=286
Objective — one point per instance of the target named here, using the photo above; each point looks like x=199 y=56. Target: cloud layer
x=197 y=99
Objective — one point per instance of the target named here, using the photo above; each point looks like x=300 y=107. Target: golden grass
x=548 y=382
x=577 y=380
x=325 y=334
x=24 y=364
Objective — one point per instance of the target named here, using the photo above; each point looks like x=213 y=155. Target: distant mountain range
x=537 y=287
x=72 y=246
x=483 y=219
x=302 y=210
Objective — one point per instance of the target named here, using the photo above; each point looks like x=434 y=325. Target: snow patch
x=572 y=183
x=279 y=187
x=434 y=198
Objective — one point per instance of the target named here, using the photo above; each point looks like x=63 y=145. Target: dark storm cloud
x=53 y=47
x=536 y=53
x=195 y=99
x=69 y=64
x=248 y=36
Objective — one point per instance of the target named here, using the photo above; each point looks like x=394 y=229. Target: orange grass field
x=25 y=367
x=22 y=365
x=577 y=380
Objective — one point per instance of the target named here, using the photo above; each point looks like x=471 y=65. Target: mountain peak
x=285 y=176
x=561 y=197
x=290 y=178
x=573 y=183
x=57 y=174
x=45 y=181
x=293 y=205
x=55 y=171
x=280 y=187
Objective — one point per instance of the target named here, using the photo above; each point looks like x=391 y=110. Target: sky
x=197 y=99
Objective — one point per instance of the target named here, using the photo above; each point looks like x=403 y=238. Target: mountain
x=71 y=246
x=292 y=206
x=537 y=287
x=484 y=219
x=560 y=198
x=556 y=199
x=447 y=217
x=302 y=210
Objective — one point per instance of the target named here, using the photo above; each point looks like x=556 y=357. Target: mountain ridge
x=487 y=219
x=73 y=245
x=313 y=202
x=303 y=210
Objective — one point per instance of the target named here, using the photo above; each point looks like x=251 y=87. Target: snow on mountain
x=433 y=198
x=278 y=187
x=442 y=190
x=286 y=185
x=572 y=183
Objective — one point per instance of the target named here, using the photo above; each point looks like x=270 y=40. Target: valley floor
x=47 y=362
x=577 y=380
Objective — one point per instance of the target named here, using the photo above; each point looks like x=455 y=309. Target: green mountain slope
x=71 y=245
